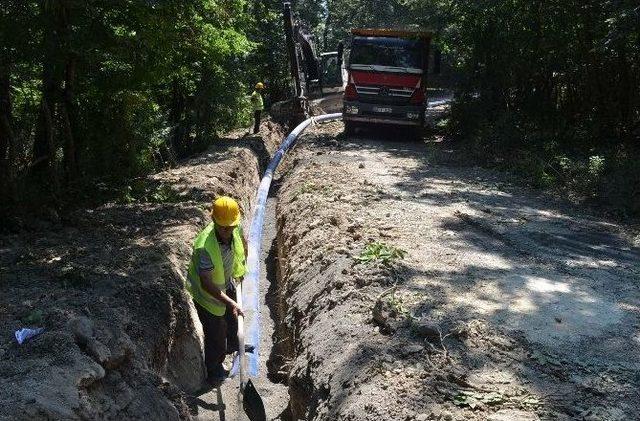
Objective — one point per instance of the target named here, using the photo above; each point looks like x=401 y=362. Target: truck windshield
x=388 y=52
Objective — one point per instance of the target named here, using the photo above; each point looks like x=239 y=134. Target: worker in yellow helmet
x=217 y=263
x=257 y=104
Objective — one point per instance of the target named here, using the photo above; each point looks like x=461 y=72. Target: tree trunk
x=67 y=109
x=176 y=119
x=6 y=135
x=68 y=115
x=625 y=92
x=325 y=32
x=43 y=166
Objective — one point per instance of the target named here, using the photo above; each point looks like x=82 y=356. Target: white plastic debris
x=25 y=334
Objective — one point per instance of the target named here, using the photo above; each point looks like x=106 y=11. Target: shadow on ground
x=536 y=299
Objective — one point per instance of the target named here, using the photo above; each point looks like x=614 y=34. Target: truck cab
x=386 y=78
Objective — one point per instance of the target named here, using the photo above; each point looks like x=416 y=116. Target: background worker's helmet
x=225 y=212
x=259 y=85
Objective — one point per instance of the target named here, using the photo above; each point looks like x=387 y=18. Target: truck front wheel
x=416 y=133
x=349 y=128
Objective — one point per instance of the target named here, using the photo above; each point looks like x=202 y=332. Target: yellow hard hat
x=225 y=212
x=259 y=85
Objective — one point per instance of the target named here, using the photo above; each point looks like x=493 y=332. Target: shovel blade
x=252 y=403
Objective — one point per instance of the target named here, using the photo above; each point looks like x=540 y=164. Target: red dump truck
x=387 y=72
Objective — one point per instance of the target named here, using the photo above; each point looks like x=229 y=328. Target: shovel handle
x=240 y=337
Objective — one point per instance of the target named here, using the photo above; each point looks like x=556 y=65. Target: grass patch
x=380 y=252
x=310 y=187
x=143 y=191
x=35 y=317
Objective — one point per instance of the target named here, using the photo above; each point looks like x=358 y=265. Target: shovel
x=248 y=395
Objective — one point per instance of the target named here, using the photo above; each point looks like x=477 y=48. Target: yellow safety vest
x=208 y=241
x=256 y=101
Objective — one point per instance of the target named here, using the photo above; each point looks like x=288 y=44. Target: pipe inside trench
x=262 y=303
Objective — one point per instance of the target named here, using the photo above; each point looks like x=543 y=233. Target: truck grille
x=367 y=90
x=403 y=92
x=384 y=94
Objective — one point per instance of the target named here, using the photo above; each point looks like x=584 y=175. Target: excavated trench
x=271 y=380
x=126 y=344
x=121 y=337
x=280 y=352
x=336 y=342
x=283 y=394
x=442 y=333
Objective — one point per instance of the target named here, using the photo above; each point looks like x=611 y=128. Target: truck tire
x=349 y=128
x=415 y=133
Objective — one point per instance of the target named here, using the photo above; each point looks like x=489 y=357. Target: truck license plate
x=382 y=109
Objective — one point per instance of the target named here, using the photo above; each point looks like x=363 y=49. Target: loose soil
x=508 y=305
x=122 y=340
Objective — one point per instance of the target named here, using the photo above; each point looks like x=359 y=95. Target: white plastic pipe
x=251 y=284
x=249 y=299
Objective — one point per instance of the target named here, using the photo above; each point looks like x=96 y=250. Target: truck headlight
x=352 y=110
x=413 y=116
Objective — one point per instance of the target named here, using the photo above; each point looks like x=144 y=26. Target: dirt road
x=509 y=304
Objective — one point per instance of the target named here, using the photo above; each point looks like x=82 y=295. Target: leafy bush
x=146 y=192
x=101 y=92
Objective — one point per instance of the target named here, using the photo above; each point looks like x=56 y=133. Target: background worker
x=257 y=103
x=217 y=262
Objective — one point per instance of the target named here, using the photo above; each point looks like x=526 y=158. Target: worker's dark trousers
x=256 y=125
x=220 y=334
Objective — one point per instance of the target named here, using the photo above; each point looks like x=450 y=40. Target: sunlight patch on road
x=545 y=310
x=523 y=305
x=543 y=285
x=590 y=263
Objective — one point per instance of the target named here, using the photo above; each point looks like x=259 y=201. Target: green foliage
x=442 y=123
x=381 y=252
x=142 y=85
x=549 y=89
x=397 y=304
x=342 y=16
x=142 y=191
x=619 y=183
x=268 y=61
x=536 y=80
x=310 y=187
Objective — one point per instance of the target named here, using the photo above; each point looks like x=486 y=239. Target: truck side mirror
x=340 y=54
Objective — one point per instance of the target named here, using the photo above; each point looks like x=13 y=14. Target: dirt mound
x=121 y=341
x=414 y=291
